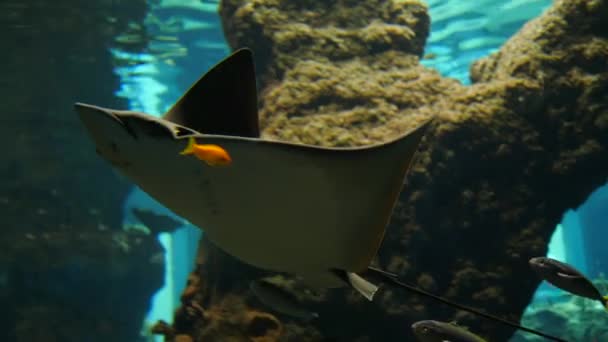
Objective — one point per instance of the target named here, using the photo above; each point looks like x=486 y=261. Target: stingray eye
x=426 y=330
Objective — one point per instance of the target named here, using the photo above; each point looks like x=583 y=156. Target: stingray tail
x=190 y=148
x=395 y=281
x=364 y=287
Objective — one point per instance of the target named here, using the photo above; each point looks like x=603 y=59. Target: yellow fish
x=213 y=155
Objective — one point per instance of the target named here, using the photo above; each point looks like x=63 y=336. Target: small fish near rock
x=567 y=278
x=436 y=331
x=156 y=223
x=280 y=300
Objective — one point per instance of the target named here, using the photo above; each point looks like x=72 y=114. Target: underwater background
x=518 y=168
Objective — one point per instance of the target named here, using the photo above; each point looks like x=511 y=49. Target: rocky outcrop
x=79 y=286
x=285 y=33
x=507 y=156
x=572 y=318
x=67 y=271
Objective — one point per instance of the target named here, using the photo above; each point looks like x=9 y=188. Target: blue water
x=462 y=32
x=152 y=86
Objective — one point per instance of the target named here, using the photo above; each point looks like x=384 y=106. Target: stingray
x=318 y=213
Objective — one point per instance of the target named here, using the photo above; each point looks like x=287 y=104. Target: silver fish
x=567 y=278
x=280 y=300
x=436 y=331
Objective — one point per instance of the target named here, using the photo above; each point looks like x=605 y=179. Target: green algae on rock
x=288 y=32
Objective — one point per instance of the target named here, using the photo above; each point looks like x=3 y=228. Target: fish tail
x=190 y=148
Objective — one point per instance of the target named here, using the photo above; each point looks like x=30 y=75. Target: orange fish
x=213 y=155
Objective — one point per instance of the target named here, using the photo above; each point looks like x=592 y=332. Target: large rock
x=284 y=33
x=507 y=157
x=67 y=271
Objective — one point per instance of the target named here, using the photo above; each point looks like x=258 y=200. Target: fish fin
x=223 y=101
x=190 y=148
x=364 y=287
x=569 y=276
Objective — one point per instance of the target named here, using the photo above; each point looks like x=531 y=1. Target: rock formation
x=508 y=156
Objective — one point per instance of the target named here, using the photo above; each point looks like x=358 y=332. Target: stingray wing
x=223 y=101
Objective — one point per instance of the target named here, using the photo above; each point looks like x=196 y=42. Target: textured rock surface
x=67 y=272
x=508 y=156
x=573 y=318
x=287 y=32
x=78 y=286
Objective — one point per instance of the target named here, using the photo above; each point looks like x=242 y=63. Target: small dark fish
x=436 y=331
x=157 y=223
x=280 y=300
x=567 y=278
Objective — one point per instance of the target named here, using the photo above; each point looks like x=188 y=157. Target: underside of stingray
x=279 y=206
